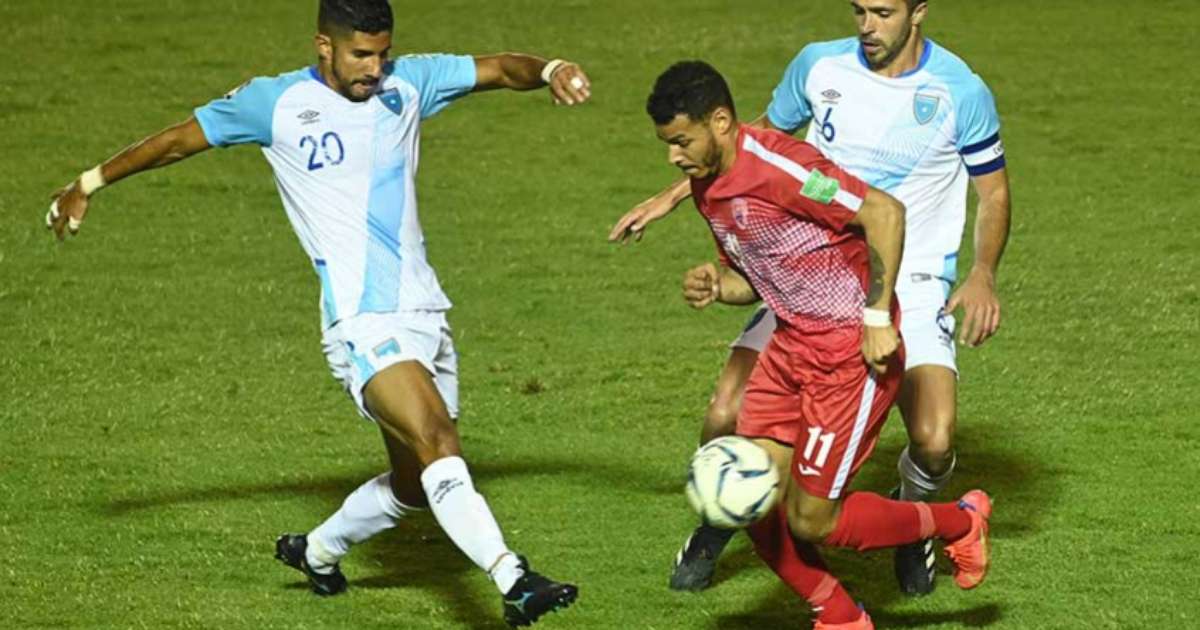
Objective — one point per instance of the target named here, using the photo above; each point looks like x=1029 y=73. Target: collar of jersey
x=862 y=58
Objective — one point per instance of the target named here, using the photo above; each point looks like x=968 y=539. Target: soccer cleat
x=971 y=552
x=697 y=559
x=535 y=595
x=290 y=548
x=862 y=623
x=915 y=564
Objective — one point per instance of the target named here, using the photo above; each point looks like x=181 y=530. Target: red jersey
x=780 y=217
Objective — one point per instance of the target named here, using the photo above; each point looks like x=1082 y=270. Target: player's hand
x=569 y=85
x=981 y=309
x=702 y=285
x=67 y=209
x=879 y=346
x=633 y=224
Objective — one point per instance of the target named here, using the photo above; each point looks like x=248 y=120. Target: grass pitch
x=166 y=410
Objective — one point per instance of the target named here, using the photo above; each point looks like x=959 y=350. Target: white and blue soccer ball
x=732 y=482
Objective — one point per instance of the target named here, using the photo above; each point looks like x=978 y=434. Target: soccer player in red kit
x=822 y=249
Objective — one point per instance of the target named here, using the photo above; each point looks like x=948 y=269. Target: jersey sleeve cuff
x=201 y=114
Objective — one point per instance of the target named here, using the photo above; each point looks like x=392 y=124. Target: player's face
x=884 y=28
x=356 y=62
x=693 y=146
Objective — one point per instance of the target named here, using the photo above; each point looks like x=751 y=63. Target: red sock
x=869 y=521
x=800 y=566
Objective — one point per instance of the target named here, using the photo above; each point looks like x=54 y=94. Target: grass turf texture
x=167 y=411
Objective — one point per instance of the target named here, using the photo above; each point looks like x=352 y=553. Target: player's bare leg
x=928 y=404
x=721 y=417
x=697 y=559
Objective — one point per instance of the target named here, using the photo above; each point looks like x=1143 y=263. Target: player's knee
x=932 y=444
x=809 y=525
x=433 y=440
x=721 y=418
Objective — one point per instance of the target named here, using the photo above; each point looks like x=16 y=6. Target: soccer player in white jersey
x=909 y=117
x=342 y=138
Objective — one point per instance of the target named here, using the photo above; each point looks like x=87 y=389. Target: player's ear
x=324 y=46
x=918 y=13
x=721 y=121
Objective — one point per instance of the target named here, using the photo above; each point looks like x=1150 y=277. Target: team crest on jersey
x=391 y=99
x=740 y=210
x=925 y=106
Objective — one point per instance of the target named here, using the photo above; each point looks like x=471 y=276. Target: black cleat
x=697 y=560
x=290 y=548
x=535 y=595
x=915 y=565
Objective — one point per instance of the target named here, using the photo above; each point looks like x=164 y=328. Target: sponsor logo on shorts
x=947 y=329
x=808 y=471
x=391 y=346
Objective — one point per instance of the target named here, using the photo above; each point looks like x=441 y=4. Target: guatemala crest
x=740 y=210
x=391 y=99
x=925 y=106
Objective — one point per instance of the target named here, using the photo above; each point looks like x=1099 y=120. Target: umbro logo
x=309 y=117
x=831 y=95
x=443 y=488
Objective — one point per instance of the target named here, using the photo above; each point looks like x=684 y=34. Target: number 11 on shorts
x=815 y=437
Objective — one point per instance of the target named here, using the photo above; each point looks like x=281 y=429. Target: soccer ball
x=732 y=482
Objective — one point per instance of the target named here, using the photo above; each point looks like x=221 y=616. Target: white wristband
x=91 y=181
x=550 y=68
x=876 y=318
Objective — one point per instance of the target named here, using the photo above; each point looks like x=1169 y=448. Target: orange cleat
x=971 y=553
x=862 y=623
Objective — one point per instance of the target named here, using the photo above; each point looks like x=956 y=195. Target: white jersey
x=919 y=137
x=345 y=172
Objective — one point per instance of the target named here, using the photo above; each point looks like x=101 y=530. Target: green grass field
x=166 y=410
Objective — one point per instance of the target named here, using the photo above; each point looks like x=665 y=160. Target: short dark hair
x=364 y=16
x=688 y=87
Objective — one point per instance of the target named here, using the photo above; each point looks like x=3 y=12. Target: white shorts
x=927 y=330
x=360 y=347
x=758 y=330
x=925 y=326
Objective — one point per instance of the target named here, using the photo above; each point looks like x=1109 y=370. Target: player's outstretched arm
x=632 y=225
x=516 y=71
x=977 y=294
x=70 y=203
x=882 y=220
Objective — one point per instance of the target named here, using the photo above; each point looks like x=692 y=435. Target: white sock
x=368 y=510
x=467 y=520
x=915 y=483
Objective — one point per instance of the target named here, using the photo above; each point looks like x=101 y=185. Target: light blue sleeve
x=975 y=114
x=244 y=115
x=439 y=79
x=789 y=109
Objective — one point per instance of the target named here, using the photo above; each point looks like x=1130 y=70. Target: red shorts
x=816 y=393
